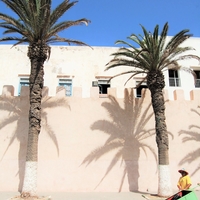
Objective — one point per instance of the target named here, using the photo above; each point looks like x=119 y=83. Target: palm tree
x=153 y=56
x=38 y=25
x=16 y=113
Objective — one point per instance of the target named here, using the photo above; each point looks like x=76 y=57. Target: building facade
x=96 y=136
x=84 y=67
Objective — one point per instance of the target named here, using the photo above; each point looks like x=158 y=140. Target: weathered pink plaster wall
x=82 y=139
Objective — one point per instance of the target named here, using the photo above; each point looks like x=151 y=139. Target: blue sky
x=116 y=19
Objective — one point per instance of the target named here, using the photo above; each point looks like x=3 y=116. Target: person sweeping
x=184 y=182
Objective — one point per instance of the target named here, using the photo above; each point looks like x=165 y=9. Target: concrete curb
x=88 y=196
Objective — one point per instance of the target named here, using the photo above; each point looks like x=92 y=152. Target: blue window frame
x=67 y=83
x=22 y=82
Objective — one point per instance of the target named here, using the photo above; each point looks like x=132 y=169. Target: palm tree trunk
x=37 y=55
x=155 y=82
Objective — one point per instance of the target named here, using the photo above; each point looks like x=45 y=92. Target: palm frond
x=140 y=82
x=133 y=72
x=122 y=62
x=60 y=10
x=64 y=25
x=147 y=39
x=162 y=38
x=18 y=7
x=124 y=42
x=13 y=39
x=131 y=77
x=138 y=40
x=37 y=23
x=69 y=41
x=153 y=53
x=10 y=20
x=10 y=29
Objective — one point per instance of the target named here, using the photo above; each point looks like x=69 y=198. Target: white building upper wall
x=83 y=65
x=186 y=78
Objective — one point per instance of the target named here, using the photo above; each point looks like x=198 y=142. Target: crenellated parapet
x=8 y=90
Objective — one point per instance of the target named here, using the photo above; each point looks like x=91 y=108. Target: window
x=139 y=90
x=67 y=83
x=197 y=83
x=103 y=86
x=24 y=81
x=174 y=80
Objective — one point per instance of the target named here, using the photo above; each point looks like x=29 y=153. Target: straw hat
x=182 y=170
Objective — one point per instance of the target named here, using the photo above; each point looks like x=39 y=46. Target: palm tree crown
x=153 y=54
x=37 y=23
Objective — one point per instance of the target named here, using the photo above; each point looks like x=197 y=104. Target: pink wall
x=97 y=130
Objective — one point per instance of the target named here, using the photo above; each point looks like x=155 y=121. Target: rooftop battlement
x=8 y=90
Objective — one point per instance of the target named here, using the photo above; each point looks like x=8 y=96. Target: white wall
x=82 y=64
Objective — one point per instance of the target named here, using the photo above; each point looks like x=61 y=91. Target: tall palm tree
x=153 y=56
x=38 y=25
x=16 y=113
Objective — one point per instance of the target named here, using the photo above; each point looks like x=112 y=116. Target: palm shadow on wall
x=126 y=132
x=17 y=114
x=193 y=134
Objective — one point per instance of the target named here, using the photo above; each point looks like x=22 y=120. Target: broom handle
x=198 y=184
